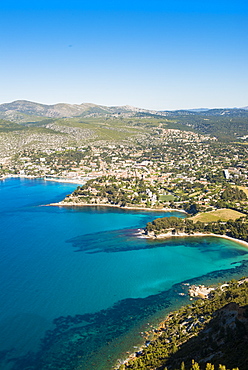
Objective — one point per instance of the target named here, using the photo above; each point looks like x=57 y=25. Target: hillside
x=226 y=330
x=207 y=331
x=225 y=124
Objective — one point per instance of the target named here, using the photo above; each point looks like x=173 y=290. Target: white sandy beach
x=169 y=235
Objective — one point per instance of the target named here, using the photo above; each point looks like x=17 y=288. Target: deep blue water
x=58 y=261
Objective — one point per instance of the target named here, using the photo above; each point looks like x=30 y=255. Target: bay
x=61 y=263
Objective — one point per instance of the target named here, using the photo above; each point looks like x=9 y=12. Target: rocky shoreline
x=200 y=292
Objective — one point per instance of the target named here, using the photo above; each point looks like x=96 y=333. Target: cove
x=78 y=279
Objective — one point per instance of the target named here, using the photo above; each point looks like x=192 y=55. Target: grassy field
x=220 y=214
x=166 y=198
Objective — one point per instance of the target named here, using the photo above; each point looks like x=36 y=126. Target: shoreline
x=68 y=181
x=141 y=234
x=63 y=180
x=4 y=177
x=159 y=328
x=73 y=204
x=182 y=235
x=82 y=182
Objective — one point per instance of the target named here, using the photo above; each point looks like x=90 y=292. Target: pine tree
x=209 y=366
x=195 y=366
x=183 y=366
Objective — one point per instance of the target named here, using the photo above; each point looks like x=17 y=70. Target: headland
x=170 y=235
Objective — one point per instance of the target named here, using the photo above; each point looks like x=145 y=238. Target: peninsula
x=135 y=193
x=147 y=193
x=235 y=228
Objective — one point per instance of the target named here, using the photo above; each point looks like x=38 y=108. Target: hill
x=10 y=110
x=225 y=124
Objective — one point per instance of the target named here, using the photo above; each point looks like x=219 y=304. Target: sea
x=80 y=289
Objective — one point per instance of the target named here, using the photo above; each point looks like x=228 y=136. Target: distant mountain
x=226 y=124
x=231 y=112
x=26 y=111
x=42 y=110
x=197 y=110
x=18 y=108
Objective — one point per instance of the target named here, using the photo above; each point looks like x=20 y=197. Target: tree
x=209 y=366
x=195 y=366
x=183 y=366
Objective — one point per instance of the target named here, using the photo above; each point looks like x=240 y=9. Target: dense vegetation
x=122 y=191
x=225 y=125
x=204 y=329
x=233 y=193
x=209 y=366
x=234 y=228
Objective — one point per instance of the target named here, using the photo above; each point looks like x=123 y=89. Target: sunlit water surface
x=90 y=264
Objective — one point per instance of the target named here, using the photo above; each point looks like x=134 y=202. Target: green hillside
x=206 y=331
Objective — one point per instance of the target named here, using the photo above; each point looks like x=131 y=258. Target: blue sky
x=150 y=54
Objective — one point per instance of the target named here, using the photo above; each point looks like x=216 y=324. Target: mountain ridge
x=62 y=110
x=226 y=124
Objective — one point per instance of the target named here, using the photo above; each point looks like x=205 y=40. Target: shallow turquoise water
x=58 y=261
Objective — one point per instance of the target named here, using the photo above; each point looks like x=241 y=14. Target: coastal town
x=143 y=164
x=177 y=169
x=124 y=185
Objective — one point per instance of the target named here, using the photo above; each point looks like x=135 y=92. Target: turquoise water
x=86 y=269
